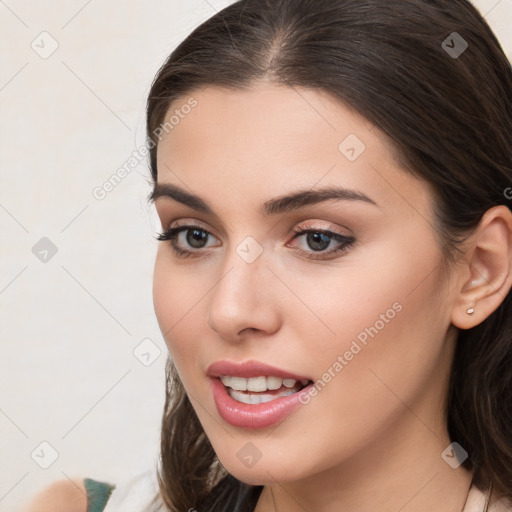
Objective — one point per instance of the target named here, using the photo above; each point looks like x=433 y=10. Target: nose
x=244 y=300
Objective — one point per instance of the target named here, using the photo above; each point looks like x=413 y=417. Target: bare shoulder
x=60 y=496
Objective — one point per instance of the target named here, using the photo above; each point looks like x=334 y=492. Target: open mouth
x=258 y=390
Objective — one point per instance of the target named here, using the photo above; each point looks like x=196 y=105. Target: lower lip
x=254 y=416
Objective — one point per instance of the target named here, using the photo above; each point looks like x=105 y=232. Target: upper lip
x=249 y=369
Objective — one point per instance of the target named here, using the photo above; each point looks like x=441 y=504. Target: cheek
x=180 y=298
x=174 y=300
x=411 y=351
x=385 y=316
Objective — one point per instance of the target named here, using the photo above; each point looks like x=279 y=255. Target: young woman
x=334 y=182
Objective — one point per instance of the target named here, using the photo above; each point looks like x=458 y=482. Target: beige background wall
x=76 y=310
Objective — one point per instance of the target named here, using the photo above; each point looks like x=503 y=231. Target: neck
x=403 y=472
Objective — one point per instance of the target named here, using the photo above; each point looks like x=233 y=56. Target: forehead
x=280 y=135
x=264 y=115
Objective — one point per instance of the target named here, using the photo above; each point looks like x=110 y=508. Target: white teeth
x=259 y=384
x=274 y=382
x=225 y=380
x=239 y=383
x=289 y=383
x=250 y=399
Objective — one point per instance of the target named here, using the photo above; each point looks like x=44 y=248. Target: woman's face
x=340 y=286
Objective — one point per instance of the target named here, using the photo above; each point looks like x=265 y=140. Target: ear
x=487 y=274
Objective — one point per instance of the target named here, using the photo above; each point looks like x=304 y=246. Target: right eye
x=186 y=240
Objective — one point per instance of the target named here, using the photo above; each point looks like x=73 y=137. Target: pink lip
x=249 y=369
x=248 y=416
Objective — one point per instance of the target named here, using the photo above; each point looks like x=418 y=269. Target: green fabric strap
x=98 y=494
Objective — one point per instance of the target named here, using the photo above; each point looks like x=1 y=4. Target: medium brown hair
x=450 y=120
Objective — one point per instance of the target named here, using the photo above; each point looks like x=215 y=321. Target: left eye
x=317 y=240
x=322 y=242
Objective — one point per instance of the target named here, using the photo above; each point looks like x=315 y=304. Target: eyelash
x=346 y=242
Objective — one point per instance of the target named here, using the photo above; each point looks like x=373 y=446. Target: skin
x=60 y=496
x=372 y=439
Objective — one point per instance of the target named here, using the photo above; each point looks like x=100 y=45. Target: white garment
x=134 y=495
x=476 y=502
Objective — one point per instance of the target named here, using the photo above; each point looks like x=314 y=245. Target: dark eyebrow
x=306 y=197
x=180 y=195
x=273 y=206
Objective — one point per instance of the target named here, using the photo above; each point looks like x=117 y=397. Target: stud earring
x=470 y=311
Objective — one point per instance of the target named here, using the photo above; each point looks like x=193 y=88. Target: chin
x=265 y=471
